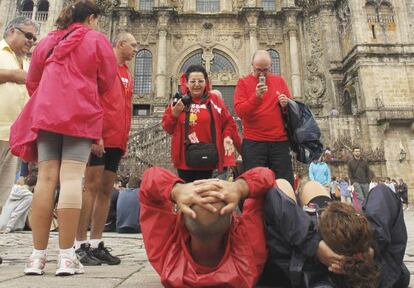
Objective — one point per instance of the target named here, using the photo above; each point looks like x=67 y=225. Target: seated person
x=127 y=218
x=205 y=244
x=294 y=241
x=14 y=213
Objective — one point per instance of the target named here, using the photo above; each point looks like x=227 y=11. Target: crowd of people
x=198 y=231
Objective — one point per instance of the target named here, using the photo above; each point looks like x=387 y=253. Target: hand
x=261 y=88
x=202 y=194
x=329 y=258
x=231 y=193
x=98 y=149
x=283 y=99
x=177 y=108
x=19 y=76
x=228 y=146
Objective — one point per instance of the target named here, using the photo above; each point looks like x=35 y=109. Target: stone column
x=161 y=76
x=252 y=15
x=35 y=7
x=294 y=54
x=161 y=63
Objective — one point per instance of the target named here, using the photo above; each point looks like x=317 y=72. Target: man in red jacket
x=206 y=244
x=259 y=101
x=103 y=163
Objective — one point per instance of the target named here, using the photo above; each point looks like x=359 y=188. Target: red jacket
x=116 y=104
x=262 y=119
x=65 y=88
x=175 y=127
x=166 y=237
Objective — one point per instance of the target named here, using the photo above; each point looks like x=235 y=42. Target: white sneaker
x=35 y=265
x=68 y=266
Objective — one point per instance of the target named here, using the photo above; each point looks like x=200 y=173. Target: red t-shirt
x=166 y=237
x=200 y=123
x=262 y=119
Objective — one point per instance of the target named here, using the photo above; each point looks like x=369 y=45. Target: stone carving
x=344 y=15
x=178 y=5
x=178 y=41
x=342 y=151
x=315 y=84
x=238 y=4
x=208 y=33
x=237 y=42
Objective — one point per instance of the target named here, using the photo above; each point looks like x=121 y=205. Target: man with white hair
x=19 y=37
x=259 y=100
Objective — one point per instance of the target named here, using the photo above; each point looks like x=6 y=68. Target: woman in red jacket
x=70 y=68
x=208 y=122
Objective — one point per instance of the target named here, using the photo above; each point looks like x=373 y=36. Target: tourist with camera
x=200 y=125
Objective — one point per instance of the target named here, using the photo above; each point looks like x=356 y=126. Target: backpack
x=303 y=132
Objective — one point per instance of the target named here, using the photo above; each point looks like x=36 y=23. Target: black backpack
x=303 y=132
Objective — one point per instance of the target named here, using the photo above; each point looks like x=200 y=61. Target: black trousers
x=273 y=155
x=192 y=175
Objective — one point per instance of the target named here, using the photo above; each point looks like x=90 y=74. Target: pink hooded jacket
x=65 y=87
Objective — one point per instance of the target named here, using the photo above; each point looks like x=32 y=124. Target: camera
x=186 y=99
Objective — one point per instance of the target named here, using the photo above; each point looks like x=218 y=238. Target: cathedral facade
x=351 y=61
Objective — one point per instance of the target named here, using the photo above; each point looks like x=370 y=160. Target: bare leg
x=43 y=202
x=93 y=177
x=102 y=203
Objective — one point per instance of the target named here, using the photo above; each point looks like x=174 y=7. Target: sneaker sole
x=69 y=271
x=33 y=271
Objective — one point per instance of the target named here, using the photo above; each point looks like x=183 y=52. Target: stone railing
x=146 y=148
x=41 y=16
x=27 y=14
x=396 y=113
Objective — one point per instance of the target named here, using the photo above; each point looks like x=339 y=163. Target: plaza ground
x=134 y=271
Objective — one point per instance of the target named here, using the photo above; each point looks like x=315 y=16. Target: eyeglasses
x=199 y=82
x=28 y=35
x=261 y=70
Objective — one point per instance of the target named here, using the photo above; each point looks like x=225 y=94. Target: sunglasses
x=28 y=35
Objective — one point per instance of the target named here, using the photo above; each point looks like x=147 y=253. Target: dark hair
x=30 y=180
x=196 y=68
x=355 y=147
x=77 y=12
x=348 y=233
x=134 y=181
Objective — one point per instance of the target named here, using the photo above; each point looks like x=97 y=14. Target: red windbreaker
x=175 y=127
x=65 y=88
x=116 y=104
x=166 y=237
x=262 y=119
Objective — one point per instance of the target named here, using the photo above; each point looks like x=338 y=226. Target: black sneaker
x=102 y=253
x=86 y=257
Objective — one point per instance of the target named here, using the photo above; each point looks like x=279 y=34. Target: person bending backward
x=358 y=250
x=204 y=244
x=259 y=100
x=70 y=68
x=100 y=174
x=205 y=111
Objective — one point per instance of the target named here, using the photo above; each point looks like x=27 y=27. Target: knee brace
x=71 y=173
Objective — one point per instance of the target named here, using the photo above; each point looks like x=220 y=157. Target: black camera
x=186 y=99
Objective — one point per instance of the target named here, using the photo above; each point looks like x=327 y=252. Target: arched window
x=143 y=73
x=275 y=69
x=269 y=5
x=221 y=63
x=42 y=11
x=195 y=59
x=209 y=6
x=146 y=5
x=27 y=6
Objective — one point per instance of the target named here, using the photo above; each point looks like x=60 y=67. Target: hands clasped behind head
x=205 y=193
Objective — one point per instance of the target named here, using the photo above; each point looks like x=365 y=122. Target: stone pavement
x=134 y=271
